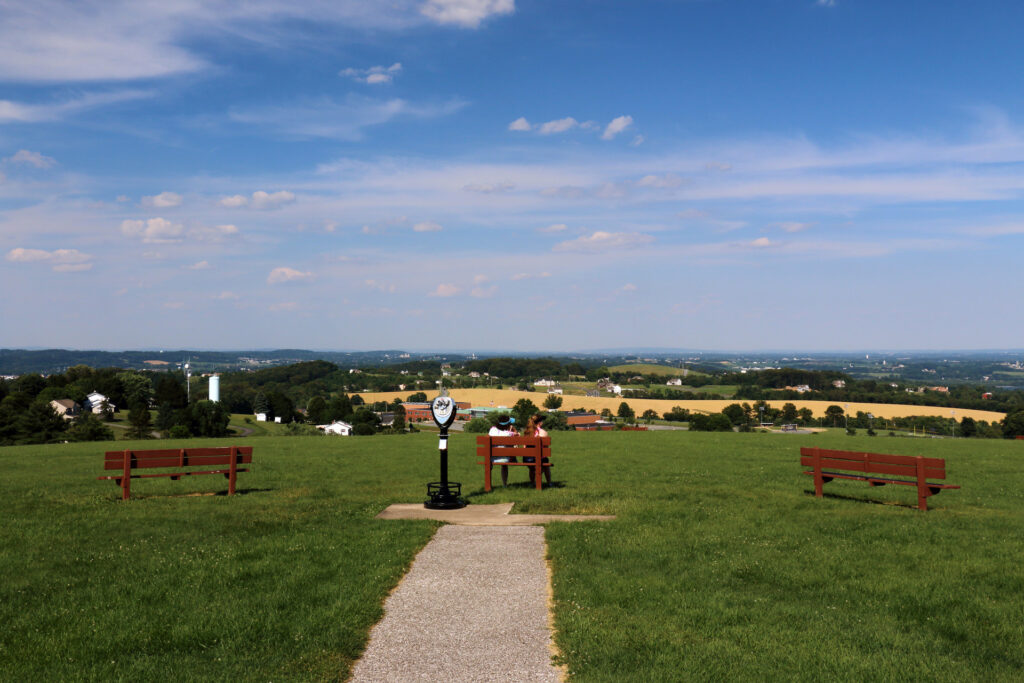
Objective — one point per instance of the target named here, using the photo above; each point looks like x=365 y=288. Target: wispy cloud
x=331 y=119
x=604 y=241
x=259 y=200
x=466 y=13
x=558 y=126
x=153 y=230
x=445 y=290
x=286 y=274
x=163 y=200
x=119 y=40
x=616 y=126
x=60 y=260
x=375 y=75
x=21 y=112
x=24 y=156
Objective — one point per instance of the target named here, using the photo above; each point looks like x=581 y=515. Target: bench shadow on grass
x=196 y=494
x=514 y=486
x=868 y=501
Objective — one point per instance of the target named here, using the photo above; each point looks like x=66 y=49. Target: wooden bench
x=225 y=460
x=519 y=447
x=827 y=465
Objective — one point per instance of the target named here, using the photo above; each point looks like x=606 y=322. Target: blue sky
x=511 y=174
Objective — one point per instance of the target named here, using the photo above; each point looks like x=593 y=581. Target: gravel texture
x=473 y=607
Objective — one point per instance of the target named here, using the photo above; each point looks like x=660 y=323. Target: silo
x=215 y=388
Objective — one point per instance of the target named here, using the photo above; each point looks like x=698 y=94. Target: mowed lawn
x=721 y=564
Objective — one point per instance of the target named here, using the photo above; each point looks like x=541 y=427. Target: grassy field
x=721 y=564
x=505 y=397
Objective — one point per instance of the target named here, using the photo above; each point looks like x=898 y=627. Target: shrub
x=478 y=425
x=179 y=432
x=364 y=429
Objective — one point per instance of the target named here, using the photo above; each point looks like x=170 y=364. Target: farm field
x=721 y=564
x=505 y=397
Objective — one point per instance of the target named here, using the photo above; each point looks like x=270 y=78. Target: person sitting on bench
x=535 y=427
x=504 y=428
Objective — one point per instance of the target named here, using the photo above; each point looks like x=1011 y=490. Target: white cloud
x=200 y=265
x=427 y=226
x=60 y=260
x=263 y=200
x=604 y=241
x=285 y=274
x=637 y=141
x=465 y=13
x=717 y=166
x=375 y=75
x=628 y=287
x=154 y=230
x=234 y=201
x=260 y=200
x=558 y=126
x=616 y=126
x=762 y=243
x=34 y=113
x=119 y=40
x=227 y=296
x=163 y=200
x=483 y=292
x=530 y=276
x=555 y=227
x=445 y=290
x=122 y=198
x=23 y=156
x=826 y=3
x=520 y=124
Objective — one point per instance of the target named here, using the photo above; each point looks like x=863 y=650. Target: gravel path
x=473 y=607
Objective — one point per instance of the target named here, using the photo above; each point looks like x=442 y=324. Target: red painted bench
x=827 y=465
x=224 y=459
x=519 y=447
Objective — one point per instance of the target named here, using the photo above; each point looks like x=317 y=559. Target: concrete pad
x=473 y=607
x=481 y=515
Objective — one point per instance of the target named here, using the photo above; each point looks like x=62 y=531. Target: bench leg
x=126 y=480
x=232 y=475
x=537 y=470
x=487 y=474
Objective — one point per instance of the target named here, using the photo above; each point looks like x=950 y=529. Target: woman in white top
x=504 y=428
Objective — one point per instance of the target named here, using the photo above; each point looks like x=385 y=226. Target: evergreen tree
x=40 y=424
x=88 y=427
x=260 y=404
x=141 y=424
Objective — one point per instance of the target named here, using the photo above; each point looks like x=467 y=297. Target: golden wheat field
x=505 y=397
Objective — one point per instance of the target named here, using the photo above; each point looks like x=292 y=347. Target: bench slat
x=147 y=462
x=873 y=457
x=874 y=467
x=175 y=452
x=176 y=474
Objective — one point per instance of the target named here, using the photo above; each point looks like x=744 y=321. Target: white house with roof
x=94 y=402
x=337 y=427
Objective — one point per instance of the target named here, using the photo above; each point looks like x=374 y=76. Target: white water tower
x=215 y=388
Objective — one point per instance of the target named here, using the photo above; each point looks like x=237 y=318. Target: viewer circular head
x=538 y=418
x=505 y=421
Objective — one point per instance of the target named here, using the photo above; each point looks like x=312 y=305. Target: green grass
x=721 y=564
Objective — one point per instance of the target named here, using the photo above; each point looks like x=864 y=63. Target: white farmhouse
x=94 y=403
x=337 y=427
